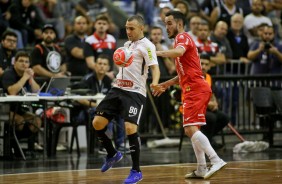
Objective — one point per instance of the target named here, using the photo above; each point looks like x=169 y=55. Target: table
x=98 y=97
x=14 y=98
x=11 y=98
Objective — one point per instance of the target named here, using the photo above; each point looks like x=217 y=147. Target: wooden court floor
x=250 y=172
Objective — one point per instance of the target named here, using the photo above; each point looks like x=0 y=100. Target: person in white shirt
x=253 y=20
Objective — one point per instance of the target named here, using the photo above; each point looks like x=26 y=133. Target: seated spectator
x=216 y=120
x=219 y=36
x=7 y=50
x=237 y=39
x=238 y=42
x=194 y=23
x=204 y=44
x=15 y=80
x=46 y=57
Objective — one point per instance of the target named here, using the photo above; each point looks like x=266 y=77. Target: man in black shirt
x=7 y=50
x=46 y=57
x=15 y=80
x=74 y=45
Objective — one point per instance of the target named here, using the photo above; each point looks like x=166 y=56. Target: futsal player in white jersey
x=128 y=97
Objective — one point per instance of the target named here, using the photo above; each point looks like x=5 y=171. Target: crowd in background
x=226 y=29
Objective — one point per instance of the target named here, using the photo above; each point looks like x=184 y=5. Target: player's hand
x=158 y=89
x=159 y=53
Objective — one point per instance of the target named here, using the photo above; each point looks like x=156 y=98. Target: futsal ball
x=123 y=57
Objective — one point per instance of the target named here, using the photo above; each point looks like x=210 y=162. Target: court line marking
x=164 y=165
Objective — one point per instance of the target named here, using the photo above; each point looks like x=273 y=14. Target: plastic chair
x=264 y=108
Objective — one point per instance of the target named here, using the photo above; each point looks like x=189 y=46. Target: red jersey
x=188 y=67
x=210 y=47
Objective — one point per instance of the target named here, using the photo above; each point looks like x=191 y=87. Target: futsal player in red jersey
x=196 y=93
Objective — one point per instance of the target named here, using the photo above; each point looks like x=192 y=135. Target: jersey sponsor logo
x=150 y=54
x=186 y=119
x=132 y=111
x=188 y=88
x=124 y=83
x=99 y=113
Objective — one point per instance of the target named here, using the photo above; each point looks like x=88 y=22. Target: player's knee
x=130 y=128
x=190 y=130
x=99 y=123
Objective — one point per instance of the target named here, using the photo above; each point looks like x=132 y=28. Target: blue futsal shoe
x=134 y=177
x=111 y=161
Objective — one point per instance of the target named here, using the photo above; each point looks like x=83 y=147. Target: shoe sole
x=135 y=182
x=207 y=177
x=194 y=177
x=113 y=164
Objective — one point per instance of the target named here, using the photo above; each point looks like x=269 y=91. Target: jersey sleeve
x=183 y=41
x=149 y=54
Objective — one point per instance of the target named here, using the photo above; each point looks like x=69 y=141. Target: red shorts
x=194 y=109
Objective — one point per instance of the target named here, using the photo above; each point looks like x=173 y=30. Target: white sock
x=201 y=159
x=203 y=143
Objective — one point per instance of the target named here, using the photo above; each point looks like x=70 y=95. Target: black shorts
x=120 y=102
